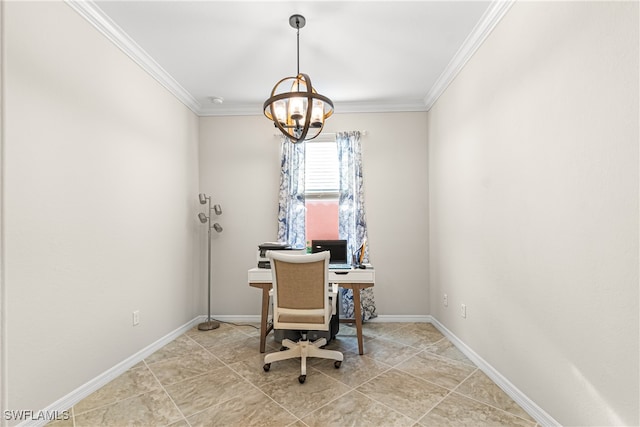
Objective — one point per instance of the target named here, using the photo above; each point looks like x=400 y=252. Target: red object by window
x=321 y=219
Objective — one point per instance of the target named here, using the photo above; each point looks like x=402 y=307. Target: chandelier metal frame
x=295 y=124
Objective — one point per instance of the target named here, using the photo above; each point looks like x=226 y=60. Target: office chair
x=301 y=302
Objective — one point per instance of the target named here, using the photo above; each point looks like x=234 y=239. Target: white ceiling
x=364 y=55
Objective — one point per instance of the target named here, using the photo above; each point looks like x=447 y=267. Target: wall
x=100 y=194
x=534 y=207
x=239 y=166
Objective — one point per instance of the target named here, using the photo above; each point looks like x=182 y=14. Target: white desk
x=355 y=279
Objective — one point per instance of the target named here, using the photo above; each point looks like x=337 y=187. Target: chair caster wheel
x=302 y=378
x=337 y=363
x=266 y=367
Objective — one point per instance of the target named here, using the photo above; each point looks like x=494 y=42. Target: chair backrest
x=300 y=287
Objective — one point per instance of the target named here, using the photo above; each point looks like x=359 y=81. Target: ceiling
x=364 y=55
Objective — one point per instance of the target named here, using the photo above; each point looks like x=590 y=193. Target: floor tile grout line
x=455 y=390
x=389 y=336
x=465 y=379
x=414 y=420
x=449 y=359
x=115 y=402
x=191 y=377
x=432 y=382
x=263 y=392
x=331 y=402
x=396 y=367
x=207 y=349
x=435 y=406
x=249 y=382
x=177 y=356
x=168 y=395
x=492 y=406
x=449 y=393
x=387 y=406
x=380 y=334
x=110 y=403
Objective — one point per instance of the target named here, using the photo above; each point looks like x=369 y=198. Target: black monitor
x=337 y=248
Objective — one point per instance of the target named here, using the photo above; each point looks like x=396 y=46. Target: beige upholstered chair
x=301 y=302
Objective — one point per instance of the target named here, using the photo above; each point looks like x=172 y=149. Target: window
x=321 y=189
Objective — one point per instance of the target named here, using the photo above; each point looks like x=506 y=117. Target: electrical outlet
x=463 y=310
x=445 y=300
x=136 y=317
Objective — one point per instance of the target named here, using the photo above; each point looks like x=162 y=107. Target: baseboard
x=241 y=318
x=537 y=413
x=93 y=385
x=101 y=380
x=378 y=319
x=385 y=318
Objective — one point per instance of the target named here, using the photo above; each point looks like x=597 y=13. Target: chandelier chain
x=298 y=42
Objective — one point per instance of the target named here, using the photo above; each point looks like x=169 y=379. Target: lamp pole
x=209 y=324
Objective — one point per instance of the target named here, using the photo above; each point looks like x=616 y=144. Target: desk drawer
x=259 y=275
x=263 y=275
x=353 y=276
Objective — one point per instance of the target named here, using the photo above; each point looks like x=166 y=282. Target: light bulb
x=317 y=114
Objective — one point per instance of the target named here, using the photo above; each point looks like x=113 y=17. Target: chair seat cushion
x=301 y=318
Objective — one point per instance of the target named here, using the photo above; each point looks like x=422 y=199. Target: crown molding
x=230 y=109
x=492 y=16
x=253 y=109
x=380 y=107
x=92 y=13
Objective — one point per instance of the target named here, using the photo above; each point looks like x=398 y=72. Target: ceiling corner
x=96 y=17
x=492 y=16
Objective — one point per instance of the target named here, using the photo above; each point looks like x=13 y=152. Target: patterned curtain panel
x=352 y=221
x=291 y=200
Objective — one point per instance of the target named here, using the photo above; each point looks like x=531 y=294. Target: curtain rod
x=329 y=134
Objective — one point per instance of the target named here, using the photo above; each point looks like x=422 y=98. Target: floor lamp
x=204 y=199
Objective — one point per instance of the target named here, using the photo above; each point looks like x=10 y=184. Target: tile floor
x=410 y=375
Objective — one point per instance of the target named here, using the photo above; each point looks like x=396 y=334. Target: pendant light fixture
x=294 y=106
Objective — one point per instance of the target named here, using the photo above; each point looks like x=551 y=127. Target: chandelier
x=294 y=106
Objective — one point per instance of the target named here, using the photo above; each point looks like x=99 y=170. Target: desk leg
x=358 y=317
x=263 y=319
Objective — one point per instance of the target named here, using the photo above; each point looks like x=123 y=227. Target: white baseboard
x=66 y=402
x=242 y=318
x=385 y=318
x=101 y=380
x=537 y=413
x=378 y=319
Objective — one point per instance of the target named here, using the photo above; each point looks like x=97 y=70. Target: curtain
x=352 y=220
x=291 y=199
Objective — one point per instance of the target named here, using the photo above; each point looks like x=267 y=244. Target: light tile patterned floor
x=410 y=375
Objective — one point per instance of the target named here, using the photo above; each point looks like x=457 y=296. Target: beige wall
x=239 y=166
x=532 y=171
x=534 y=207
x=100 y=190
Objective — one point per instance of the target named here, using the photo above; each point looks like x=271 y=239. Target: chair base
x=303 y=349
